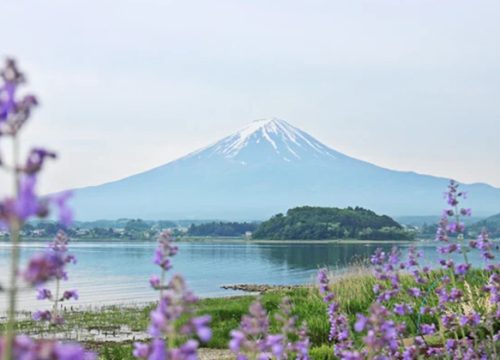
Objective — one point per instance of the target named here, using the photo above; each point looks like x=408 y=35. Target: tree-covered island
x=320 y=223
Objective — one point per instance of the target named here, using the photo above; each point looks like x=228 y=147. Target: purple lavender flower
x=44 y=267
x=42 y=315
x=493 y=288
x=382 y=334
x=176 y=304
x=71 y=352
x=353 y=355
x=455 y=227
x=253 y=338
x=64 y=211
x=13 y=112
x=44 y=294
x=339 y=327
x=452 y=194
x=51 y=265
x=442 y=230
x=462 y=269
x=413 y=256
x=361 y=322
x=385 y=270
x=483 y=244
x=14 y=212
x=70 y=294
x=26 y=348
x=466 y=212
x=451 y=345
x=165 y=251
x=427 y=329
x=449 y=249
x=236 y=342
x=415 y=292
x=36 y=159
x=27 y=200
x=141 y=350
x=402 y=309
x=158 y=350
x=155 y=282
x=201 y=325
x=472 y=319
x=378 y=258
x=456 y=294
x=448 y=320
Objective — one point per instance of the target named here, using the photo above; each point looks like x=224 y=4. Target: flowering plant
x=173 y=320
x=51 y=265
x=460 y=322
x=253 y=339
x=15 y=210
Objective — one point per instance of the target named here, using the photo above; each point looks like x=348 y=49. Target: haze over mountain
x=266 y=168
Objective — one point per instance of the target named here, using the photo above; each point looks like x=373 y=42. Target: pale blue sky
x=129 y=85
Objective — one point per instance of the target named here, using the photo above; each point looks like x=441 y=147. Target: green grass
x=353 y=292
x=116 y=352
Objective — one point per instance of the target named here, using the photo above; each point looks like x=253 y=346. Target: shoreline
x=228 y=240
x=234 y=240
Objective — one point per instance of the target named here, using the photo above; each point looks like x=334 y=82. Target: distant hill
x=420 y=221
x=492 y=224
x=265 y=168
x=317 y=223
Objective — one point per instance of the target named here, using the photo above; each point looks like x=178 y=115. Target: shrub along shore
x=112 y=330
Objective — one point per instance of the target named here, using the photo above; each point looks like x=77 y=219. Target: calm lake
x=118 y=272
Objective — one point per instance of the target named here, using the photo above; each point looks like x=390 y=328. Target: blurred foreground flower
x=173 y=319
x=22 y=205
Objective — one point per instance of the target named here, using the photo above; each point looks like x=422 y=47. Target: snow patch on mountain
x=286 y=141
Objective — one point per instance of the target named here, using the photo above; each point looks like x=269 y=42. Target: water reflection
x=313 y=256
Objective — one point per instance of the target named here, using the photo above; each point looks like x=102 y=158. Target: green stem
x=12 y=292
x=15 y=227
x=55 y=307
x=418 y=331
x=459 y=347
x=162 y=282
x=460 y=236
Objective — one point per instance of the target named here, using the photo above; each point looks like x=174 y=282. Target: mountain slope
x=265 y=168
x=490 y=224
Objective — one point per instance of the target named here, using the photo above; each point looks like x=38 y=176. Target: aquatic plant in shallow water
x=461 y=321
x=15 y=209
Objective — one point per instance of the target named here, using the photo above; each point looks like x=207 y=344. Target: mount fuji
x=266 y=168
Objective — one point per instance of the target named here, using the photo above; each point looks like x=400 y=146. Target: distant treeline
x=473 y=227
x=103 y=229
x=221 y=229
x=122 y=223
x=317 y=223
x=136 y=229
x=307 y=223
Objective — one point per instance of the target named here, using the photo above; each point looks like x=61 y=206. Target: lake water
x=118 y=272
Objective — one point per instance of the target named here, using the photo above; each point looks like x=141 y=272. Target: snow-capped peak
x=261 y=127
x=275 y=136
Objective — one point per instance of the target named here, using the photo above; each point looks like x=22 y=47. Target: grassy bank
x=354 y=292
